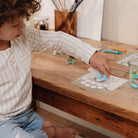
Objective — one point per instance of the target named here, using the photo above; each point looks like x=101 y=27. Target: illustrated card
x=89 y=81
x=128 y=57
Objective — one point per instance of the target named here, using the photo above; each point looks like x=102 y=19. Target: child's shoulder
x=28 y=33
x=29 y=30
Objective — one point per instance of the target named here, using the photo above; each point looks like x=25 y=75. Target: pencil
x=55 y=4
x=61 y=4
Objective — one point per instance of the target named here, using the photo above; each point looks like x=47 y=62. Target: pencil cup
x=133 y=73
x=66 y=21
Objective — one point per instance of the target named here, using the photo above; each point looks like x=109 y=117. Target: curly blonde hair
x=12 y=9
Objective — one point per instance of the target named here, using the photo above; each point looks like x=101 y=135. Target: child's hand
x=99 y=62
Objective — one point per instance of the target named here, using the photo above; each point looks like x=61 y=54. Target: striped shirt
x=15 y=71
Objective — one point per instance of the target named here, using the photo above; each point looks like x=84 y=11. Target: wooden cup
x=66 y=21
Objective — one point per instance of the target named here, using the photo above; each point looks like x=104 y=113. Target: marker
x=118 y=49
x=112 y=51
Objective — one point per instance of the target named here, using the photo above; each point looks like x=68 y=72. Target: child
x=17 y=119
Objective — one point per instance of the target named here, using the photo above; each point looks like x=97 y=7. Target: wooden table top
x=53 y=73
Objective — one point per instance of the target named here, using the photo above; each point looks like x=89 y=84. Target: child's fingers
x=104 y=71
x=107 y=67
x=98 y=69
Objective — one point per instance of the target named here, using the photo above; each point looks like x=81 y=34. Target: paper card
x=124 y=61
x=89 y=18
x=88 y=81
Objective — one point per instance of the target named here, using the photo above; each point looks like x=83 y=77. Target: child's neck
x=4 y=45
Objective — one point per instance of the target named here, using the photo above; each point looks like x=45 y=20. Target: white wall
x=120 y=21
x=47 y=10
x=89 y=18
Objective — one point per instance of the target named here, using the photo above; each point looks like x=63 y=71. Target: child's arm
x=39 y=40
x=43 y=40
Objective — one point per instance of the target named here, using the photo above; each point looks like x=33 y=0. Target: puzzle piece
x=101 y=77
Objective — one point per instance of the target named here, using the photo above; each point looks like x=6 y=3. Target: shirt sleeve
x=40 y=40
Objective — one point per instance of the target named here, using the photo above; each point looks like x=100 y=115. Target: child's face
x=9 y=31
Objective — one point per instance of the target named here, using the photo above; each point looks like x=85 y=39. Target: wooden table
x=116 y=111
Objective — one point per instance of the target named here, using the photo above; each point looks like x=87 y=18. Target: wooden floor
x=83 y=131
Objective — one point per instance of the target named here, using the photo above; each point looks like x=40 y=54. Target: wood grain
x=66 y=22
